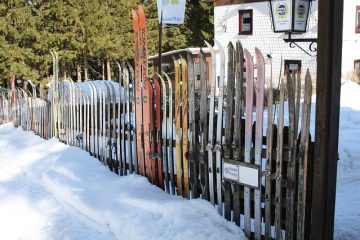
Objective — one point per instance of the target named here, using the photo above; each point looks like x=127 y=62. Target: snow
x=49 y=190
x=347 y=212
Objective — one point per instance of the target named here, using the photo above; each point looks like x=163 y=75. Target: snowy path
x=27 y=211
x=52 y=191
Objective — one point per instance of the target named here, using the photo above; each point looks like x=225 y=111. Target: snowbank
x=347 y=212
x=130 y=207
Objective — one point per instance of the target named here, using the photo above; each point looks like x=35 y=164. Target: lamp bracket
x=293 y=42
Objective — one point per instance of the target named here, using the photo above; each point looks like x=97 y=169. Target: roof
x=194 y=51
x=233 y=2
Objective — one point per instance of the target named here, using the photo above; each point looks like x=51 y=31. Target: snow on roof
x=191 y=50
x=101 y=86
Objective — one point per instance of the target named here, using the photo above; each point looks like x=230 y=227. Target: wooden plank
x=248 y=133
x=178 y=155
x=303 y=157
x=279 y=165
x=236 y=145
x=268 y=168
x=229 y=125
x=184 y=116
x=290 y=178
x=204 y=174
x=260 y=84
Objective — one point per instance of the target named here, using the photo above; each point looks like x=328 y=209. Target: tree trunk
x=86 y=77
x=78 y=70
x=108 y=68
x=103 y=70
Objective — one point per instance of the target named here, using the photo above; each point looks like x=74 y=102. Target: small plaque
x=231 y=171
x=242 y=173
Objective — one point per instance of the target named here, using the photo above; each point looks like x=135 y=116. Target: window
x=245 y=22
x=357 y=20
x=357 y=66
x=292 y=66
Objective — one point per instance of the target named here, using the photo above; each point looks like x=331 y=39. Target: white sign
x=242 y=173
x=282 y=15
x=171 y=11
x=249 y=176
x=301 y=15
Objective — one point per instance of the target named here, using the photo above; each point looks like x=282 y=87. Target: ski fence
x=219 y=141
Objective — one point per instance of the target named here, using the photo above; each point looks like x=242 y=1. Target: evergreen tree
x=88 y=35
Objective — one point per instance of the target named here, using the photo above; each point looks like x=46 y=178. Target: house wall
x=351 y=40
x=226 y=24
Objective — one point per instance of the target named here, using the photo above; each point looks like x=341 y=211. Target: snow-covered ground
x=52 y=191
x=347 y=213
x=49 y=190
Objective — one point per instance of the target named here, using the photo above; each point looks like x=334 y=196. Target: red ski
x=157 y=132
x=138 y=97
x=143 y=53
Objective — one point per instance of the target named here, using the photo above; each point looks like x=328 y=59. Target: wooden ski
x=248 y=134
x=178 y=155
x=210 y=144
x=138 y=98
x=157 y=132
x=203 y=129
x=184 y=126
x=170 y=135
x=238 y=125
x=269 y=152
x=260 y=83
x=279 y=165
x=304 y=157
x=192 y=156
x=229 y=108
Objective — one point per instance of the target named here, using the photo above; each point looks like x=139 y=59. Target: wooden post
x=328 y=84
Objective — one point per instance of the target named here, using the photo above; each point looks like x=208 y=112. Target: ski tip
x=201 y=52
x=221 y=49
x=135 y=19
x=238 y=42
x=259 y=55
x=141 y=13
x=134 y=14
x=230 y=45
x=248 y=56
x=207 y=44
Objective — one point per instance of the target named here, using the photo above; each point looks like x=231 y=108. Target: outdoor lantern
x=290 y=16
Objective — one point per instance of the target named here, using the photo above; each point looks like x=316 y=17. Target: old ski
x=219 y=128
x=184 y=118
x=169 y=133
x=260 y=83
x=238 y=125
x=269 y=159
x=157 y=133
x=279 y=164
x=193 y=166
x=248 y=134
x=210 y=144
x=178 y=155
x=229 y=124
x=138 y=97
x=203 y=128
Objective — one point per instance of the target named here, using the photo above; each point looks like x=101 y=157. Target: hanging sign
x=301 y=12
x=281 y=11
x=171 y=11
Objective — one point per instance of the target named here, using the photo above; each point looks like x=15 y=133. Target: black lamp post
x=291 y=17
